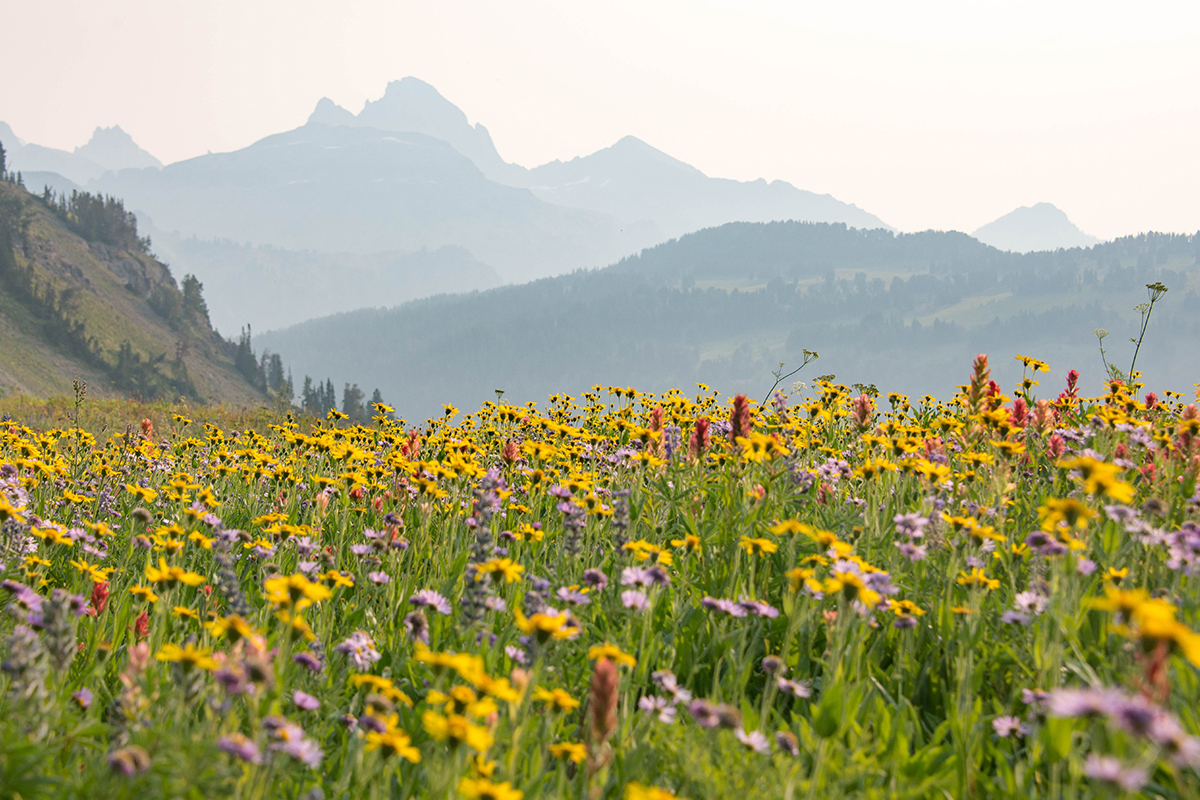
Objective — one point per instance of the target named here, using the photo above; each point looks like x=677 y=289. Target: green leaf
x=827 y=717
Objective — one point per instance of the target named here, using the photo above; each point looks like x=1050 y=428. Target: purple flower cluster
x=290 y=739
x=645 y=576
x=1133 y=714
x=1110 y=770
x=743 y=607
x=239 y=746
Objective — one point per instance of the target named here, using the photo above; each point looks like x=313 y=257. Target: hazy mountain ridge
x=362 y=190
x=633 y=181
x=270 y=287
x=109 y=149
x=1030 y=228
x=630 y=180
x=662 y=320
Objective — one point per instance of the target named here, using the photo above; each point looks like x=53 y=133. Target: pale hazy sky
x=929 y=114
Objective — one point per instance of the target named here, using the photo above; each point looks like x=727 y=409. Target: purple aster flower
x=913 y=552
x=83 y=698
x=1044 y=544
x=1079 y=702
x=705 y=713
x=361 y=649
x=635 y=600
x=305 y=701
x=773 y=665
x=379 y=577
x=238 y=745
x=574 y=596
x=517 y=654
x=371 y=722
x=1007 y=726
x=304 y=750
x=660 y=707
x=666 y=680
x=911 y=525
x=1035 y=697
x=720 y=604
x=794 y=688
x=658 y=576
x=233 y=679
x=1011 y=617
x=758 y=608
x=25 y=596
x=1109 y=770
x=1120 y=514
x=595 y=579
x=754 y=740
x=431 y=599
x=1134 y=714
x=1029 y=602
x=1085 y=566
x=635 y=576
x=362 y=549
x=77 y=603
x=495 y=604
x=418 y=626
x=309 y=661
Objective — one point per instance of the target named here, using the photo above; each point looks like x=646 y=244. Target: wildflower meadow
x=831 y=594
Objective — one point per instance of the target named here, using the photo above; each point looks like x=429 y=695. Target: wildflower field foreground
x=629 y=596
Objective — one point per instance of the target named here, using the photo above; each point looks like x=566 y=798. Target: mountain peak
x=328 y=112
x=9 y=139
x=410 y=105
x=1042 y=226
x=113 y=148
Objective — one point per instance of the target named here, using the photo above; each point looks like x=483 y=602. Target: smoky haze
x=927 y=114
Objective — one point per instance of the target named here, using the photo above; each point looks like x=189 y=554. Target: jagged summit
x=113 y=148
x=109 y=149
x=1042 y=226
x=643 y=187
x=411 y=105
x=328 y=112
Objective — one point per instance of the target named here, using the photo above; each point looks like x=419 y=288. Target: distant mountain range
x=362 y=190
x=109 y=150
x=725 y=305
x=1031 y=228
x=409 y=174
x=631 y=180
x=354 y=202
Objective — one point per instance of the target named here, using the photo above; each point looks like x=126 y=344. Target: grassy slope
x=111 y=313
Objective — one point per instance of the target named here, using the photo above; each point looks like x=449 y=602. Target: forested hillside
x=724 y=306
x=82 y=296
